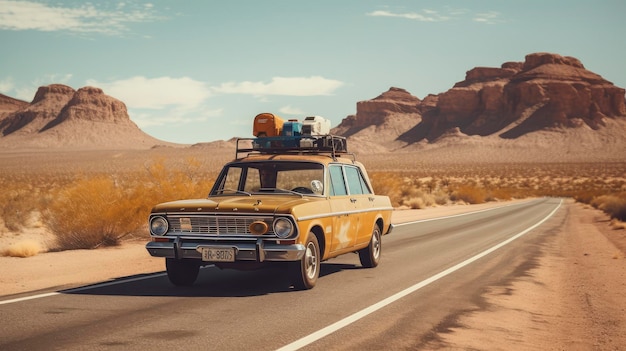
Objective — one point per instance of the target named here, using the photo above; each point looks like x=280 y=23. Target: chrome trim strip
x=333 y=214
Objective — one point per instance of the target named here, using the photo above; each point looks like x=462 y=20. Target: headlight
x=158 y=225
x=283 y=227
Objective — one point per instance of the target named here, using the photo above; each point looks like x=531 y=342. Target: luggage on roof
x=267 y=125
x=273 y=135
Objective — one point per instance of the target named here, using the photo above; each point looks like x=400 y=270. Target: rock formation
x=61 y=117
x=43 y=110
x=9 y=105
x=545 y=92
x=385 y=116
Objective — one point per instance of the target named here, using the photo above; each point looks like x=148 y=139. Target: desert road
x=431 y=272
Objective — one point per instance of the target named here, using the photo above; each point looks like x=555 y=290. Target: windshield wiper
x=282 y=191
x=235 y=192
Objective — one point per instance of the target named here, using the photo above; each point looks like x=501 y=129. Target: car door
x=343 y=207
x=362 y=199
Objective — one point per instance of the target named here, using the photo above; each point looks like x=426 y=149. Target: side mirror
x=317 y=187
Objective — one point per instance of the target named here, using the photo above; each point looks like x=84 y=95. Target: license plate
x=218 y=254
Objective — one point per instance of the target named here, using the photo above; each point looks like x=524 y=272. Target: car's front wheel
x=304 y=273
x=182 y=272
x=370 y=256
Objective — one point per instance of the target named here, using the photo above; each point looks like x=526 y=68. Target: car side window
x=356 y=183
x=364 y=186
x=337 y=184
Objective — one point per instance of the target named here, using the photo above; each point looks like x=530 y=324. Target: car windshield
x=247 y=178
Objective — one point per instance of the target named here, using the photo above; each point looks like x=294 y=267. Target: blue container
x=292 y=128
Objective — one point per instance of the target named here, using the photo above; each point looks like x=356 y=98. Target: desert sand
x=572 y=300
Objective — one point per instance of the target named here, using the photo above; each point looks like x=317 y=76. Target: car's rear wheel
x=304 y=273
x=182 y=272
x=370 y=256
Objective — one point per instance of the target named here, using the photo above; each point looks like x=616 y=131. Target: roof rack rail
x=306 y=144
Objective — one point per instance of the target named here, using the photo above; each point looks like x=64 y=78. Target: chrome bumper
x=259 y=251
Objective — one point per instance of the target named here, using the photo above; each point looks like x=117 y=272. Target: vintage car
x=299 y=202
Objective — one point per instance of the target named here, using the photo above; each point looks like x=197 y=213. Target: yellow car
x=297 y=205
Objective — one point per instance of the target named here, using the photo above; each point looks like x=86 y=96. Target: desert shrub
x=103 y=210
x=417 y=199
x=17 y=205
x=469 y=194
x=613 y=205
x=585 y=196
x=161 y=183
x=441 y=198
x=388 y=183
x=93 y=212
x=500 y=194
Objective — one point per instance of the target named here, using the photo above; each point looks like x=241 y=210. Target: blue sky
x=198 y=71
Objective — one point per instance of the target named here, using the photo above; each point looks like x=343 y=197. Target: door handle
x=353 y=200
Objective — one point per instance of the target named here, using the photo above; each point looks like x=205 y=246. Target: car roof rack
x=332 y=145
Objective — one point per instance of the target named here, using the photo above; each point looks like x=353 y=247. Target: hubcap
x=310 y=261
x=376 y=245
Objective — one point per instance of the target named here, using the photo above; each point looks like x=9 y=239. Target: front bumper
x=259 y=251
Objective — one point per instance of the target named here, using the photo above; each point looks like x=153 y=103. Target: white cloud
x=157 y=93
x=26 y=92
x=491 y=17
x=6 y=85
x=145 y=119
x=288 y=86
x=426 y=16
x=288 y=110
x=86 y=18
x=161 y=101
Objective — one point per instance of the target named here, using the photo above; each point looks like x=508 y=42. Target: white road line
x=375 y=307
x=69 y=291
x=6 y=302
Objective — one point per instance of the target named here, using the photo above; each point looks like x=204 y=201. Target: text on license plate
x=218 y=254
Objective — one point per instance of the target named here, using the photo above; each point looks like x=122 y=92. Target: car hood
x=236 y=204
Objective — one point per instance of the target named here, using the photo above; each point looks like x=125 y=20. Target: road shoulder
x=573 y=300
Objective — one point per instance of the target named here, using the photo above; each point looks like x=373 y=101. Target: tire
x=304 y=273
x=182 y=272
x=370 y=256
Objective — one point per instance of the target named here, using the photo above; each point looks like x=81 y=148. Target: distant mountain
x=61 y=117
x=548 y=103
x=9 y=105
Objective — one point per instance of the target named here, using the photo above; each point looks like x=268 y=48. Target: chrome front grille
x=215 y=225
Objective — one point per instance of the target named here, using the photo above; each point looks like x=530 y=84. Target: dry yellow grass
x=91 y=200
x=614 y=205
x=102 y=210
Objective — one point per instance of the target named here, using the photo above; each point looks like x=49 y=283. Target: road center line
x=309 y=339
